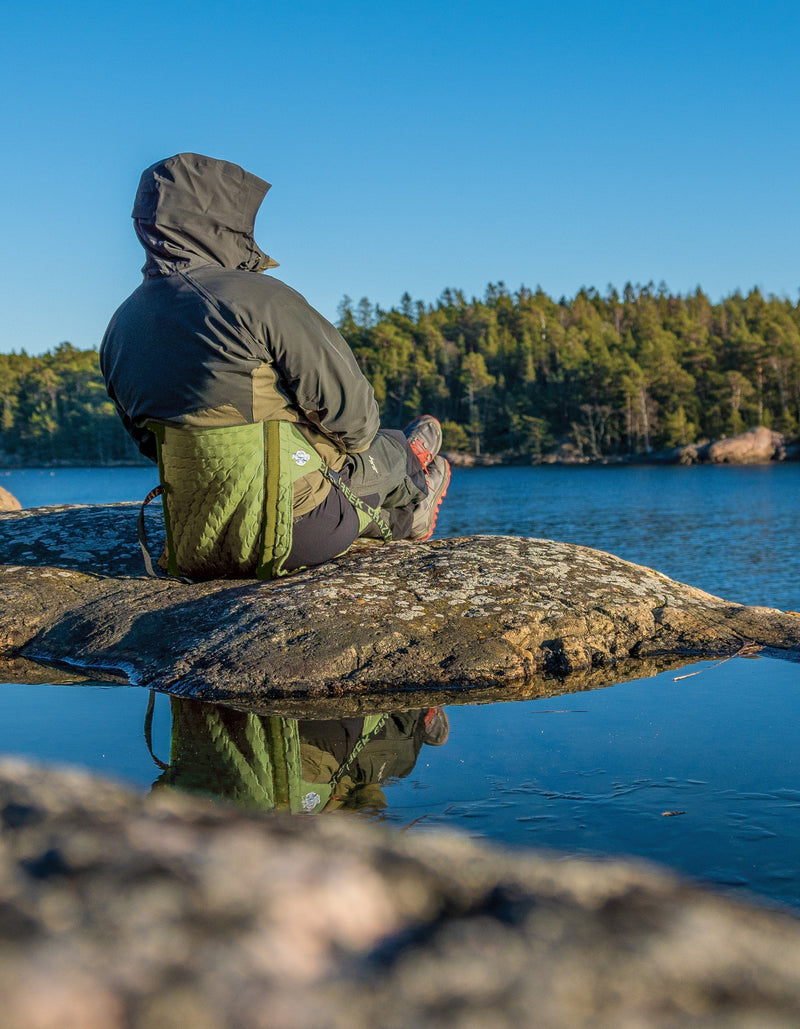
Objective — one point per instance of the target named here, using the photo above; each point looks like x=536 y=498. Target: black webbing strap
x=358 y=503
x=148 y=729
x=141 y=532
x=358 y=746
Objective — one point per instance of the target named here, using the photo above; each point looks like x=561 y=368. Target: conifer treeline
x=511 y=373
x=519 y=373
x=55 y=408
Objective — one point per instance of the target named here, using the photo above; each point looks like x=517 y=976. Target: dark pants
x=386 y=476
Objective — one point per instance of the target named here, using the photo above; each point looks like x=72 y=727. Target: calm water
x=592 y=772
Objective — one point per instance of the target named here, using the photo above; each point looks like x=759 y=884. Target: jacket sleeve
x=143 y=438
x=320 y=372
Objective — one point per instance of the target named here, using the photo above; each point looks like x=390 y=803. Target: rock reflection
x=298 y=765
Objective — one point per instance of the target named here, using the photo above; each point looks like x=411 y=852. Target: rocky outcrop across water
x=124 y=911
x=457 y=614
x=757 y=446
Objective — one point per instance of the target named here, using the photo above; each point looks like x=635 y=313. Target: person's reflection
x=299 y=766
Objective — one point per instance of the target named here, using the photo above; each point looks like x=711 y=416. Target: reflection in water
x=285 y=764
x=589 y=772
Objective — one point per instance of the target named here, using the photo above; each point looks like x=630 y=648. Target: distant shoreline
x=55 y=465
x=635 y=461
x=757 y=446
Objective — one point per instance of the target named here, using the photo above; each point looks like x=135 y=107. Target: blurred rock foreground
x=148 y=912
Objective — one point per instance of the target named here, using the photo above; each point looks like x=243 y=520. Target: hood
x=192 y=210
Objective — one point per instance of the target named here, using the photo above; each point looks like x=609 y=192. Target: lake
x=701 y=773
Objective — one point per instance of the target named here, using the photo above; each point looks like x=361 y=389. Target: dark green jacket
x=206 y=341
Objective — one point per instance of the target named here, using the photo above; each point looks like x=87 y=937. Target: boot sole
x=437 y=504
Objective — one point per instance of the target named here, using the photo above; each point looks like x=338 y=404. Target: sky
x=411 y=146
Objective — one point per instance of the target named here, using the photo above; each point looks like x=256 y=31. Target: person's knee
x=383 y=470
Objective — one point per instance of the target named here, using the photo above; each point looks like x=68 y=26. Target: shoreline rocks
x=758 y=445
x=8 y=502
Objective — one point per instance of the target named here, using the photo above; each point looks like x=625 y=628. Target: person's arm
x=143 y=438
x=321 y=373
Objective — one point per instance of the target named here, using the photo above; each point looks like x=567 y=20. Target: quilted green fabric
x=228 y=497
x=214 y=492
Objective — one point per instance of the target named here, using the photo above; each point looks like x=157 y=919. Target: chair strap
x=371 y=512
x=141 y=532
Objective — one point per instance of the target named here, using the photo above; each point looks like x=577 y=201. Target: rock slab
x=456 y=614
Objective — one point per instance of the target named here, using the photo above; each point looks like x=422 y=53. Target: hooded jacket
x=206 y=341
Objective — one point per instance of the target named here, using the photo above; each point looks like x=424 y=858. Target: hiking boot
x=425 y=512
x=424 y=437
x=435 y=727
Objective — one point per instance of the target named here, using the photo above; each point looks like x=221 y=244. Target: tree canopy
x=510 y=373
x=55 y=408
x=517 y=373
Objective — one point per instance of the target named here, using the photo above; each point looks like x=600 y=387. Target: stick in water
x=748 y=648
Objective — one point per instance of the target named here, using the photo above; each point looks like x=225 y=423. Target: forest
x=513 y=374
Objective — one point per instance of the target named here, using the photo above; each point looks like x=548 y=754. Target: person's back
x=206 y=344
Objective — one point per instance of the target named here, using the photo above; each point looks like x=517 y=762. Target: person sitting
x=266 y=432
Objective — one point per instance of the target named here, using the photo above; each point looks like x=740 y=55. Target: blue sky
x=411 y=146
